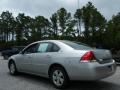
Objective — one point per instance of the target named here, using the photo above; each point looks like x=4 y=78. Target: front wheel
x=59 y=77
x=12 y=68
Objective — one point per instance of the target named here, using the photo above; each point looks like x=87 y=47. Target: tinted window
x=49 y=47
x=55 y=48
x=31 y=49
x=76 y=45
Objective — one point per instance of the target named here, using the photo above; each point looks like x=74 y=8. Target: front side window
x=47 y=47
x=31 y=49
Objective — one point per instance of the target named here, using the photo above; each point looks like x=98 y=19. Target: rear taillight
x=88 y=57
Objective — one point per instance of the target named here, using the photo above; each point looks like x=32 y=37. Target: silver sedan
x=62 y=61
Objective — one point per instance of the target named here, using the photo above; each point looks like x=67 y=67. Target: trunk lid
x=102 y=55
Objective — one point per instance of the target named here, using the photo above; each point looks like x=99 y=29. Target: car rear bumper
x=92 y=71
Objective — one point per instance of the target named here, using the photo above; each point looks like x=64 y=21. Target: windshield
x=76 y=45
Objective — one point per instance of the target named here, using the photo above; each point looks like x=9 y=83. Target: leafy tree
x=41 y=27
x=54 y=25
x=78 y=17
x=112 y=33
x=63 y=19
x=20 y=20
x=70 y=31
x=6 y=22
x=93 y=21
x=23 y=29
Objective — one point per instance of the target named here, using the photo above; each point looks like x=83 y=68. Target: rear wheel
x=12 y=68
x=59 y=77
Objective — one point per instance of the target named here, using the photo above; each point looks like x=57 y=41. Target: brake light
x=88 y=57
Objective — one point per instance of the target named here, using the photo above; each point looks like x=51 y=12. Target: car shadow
x=74 y=85
x=33 y=79
x=93 y=85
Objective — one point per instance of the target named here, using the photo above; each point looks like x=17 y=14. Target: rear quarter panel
x=69 y=60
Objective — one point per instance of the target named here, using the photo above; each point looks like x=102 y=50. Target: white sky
x=48 y=7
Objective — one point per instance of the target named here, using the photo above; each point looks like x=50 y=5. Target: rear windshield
x=76 y=45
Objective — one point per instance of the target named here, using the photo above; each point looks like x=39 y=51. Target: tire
x=59 y=77
x=12 y=68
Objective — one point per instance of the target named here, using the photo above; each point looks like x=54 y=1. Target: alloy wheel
x=58 y=78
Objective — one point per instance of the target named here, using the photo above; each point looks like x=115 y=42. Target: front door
x=44 y=57
x=26 y=58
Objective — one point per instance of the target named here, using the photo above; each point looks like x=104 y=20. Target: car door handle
x=48 y=56
x=29 y=57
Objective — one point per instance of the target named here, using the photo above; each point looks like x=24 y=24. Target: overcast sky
x=48 y=7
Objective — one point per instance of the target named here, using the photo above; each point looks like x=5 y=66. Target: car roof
x=54 y=41
x=50 y=41
x=63 y=46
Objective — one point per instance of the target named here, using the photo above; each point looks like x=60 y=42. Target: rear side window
x=47 y=47
x=55 y=48
x=52 y=48
x=76 y=45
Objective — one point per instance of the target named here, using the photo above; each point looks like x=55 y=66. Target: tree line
x=87 y=25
